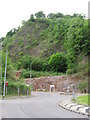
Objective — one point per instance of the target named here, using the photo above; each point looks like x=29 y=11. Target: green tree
x=59 y=15
x=51 y=16
x=57 y=62
x=10 y=73
x=40 y=14
x=11 y=32
x=71 y=58
x=37 y=64
x=32 y=18
x=76 y=41
x=26 y=61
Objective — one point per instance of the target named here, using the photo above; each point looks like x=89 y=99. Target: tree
x=37 y=64
x=40 y=14
x=76 y=41
x=11 y=32
x=59 y=15
x=57 y=62
x=26 y=61
x=10 y=67
x=32 y=18
x=71 y=58
x=51 y=16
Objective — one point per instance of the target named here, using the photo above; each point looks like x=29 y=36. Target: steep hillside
x=47 y=46
x=39 y=38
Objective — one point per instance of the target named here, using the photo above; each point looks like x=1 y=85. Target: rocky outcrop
x=62 y=83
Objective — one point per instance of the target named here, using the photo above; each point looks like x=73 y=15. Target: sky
x=13 y=12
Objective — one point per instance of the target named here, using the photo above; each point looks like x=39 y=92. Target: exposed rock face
x=62 y=83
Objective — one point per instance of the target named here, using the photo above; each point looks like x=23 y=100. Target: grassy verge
x=85 y=100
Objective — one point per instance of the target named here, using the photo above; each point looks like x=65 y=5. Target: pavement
x=42 y=105
x=0 y=109
x=18 y=97
x=74 y=107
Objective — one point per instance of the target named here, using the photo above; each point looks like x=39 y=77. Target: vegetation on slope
x=57 y=43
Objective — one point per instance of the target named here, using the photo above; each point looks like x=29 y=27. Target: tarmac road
x=41 y=105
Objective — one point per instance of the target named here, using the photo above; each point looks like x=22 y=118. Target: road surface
x=41 y=105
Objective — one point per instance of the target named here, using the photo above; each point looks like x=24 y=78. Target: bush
x=12 y=88
x=26 y=61
x=26 y=73
x=83 y=86
x=37 y=64
x=57 y=62
x=71 y=71
x=45 y=67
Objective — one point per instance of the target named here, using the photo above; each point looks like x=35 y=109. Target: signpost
x=6 y=83
x=52 y=88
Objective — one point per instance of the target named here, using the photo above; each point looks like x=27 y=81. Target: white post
x=5 y=75
x=18 y=91
x=27 y=90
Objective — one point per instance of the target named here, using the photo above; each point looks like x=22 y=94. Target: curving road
x=41 y=105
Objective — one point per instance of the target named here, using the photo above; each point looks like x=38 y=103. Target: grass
x=35 y=74
x=50 y=73
x=85 y=99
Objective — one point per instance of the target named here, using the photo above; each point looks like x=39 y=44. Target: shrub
x=26 y=61
x=57 y=62
x=82 y=86
x=26 y=74
x=37 y=64
x=71 y=71
x=12 y=88
x=45 y=67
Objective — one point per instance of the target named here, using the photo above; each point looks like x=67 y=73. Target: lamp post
x=5 y=75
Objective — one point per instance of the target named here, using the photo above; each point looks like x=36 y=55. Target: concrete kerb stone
x=73 y=107
x=70 y=105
